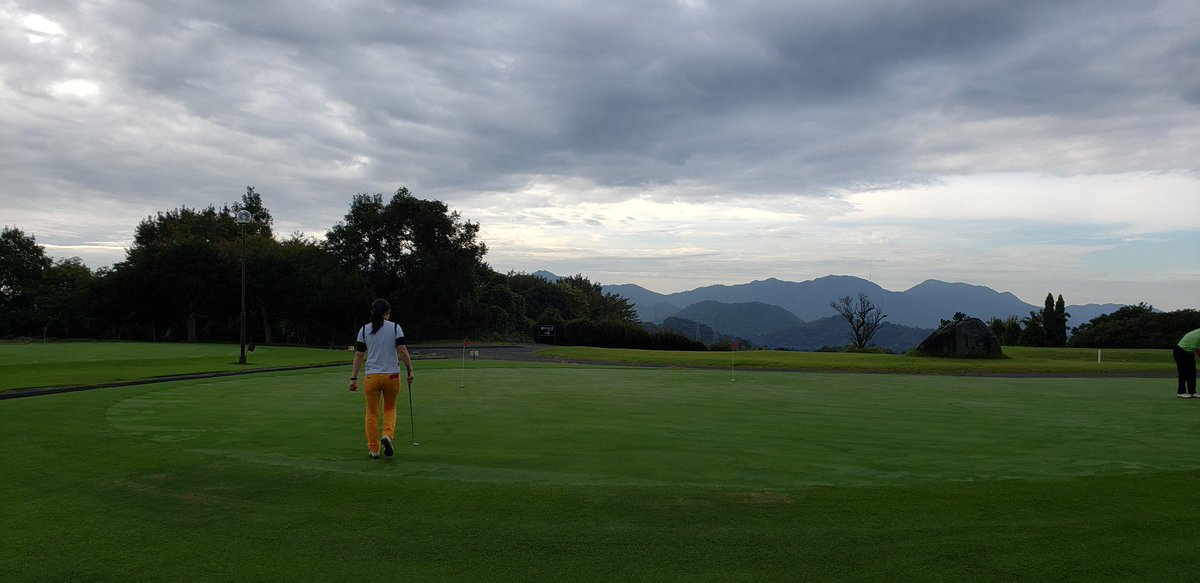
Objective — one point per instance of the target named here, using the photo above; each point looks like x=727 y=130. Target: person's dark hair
x=379 y=307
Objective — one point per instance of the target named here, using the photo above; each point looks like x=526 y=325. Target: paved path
x=518 y=352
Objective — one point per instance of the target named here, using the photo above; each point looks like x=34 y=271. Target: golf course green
x=566 y=472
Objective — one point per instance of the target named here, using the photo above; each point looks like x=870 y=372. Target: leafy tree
x=578 y=303
x=416 y=253
x=1136 y=326
x=1007 y=330
x=997 y=326
x=22 y=265
x=541 y=295
x=600 y=305
x=503 y=310
x=181 y=275
x=63 y=298
x=958 y=317
x=308 y=297
x=863 y=316
x=1034 y=331
x=261 y=219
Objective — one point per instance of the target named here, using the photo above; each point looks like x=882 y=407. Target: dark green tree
x=1057 y=335
x=1007 y=330
x=1054 y=322
x=998 y=327
x=1136 y=326
x=600 y=306
x=416 y=253
x=182 y=274
x=504 y=310
x=541 y=295
x=308 y=297
x=1034 y=331
x=262 y=221
x=64 y=298
x=23 y=264
x=958 y=317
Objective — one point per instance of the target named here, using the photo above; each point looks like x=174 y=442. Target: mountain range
x=923 y=306
x=797 y=315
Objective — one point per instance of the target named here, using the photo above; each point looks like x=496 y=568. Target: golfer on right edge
x=1185 y=363
x=381 y=344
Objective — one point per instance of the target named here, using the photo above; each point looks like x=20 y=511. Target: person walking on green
x=1185 y=362
x=381 y=346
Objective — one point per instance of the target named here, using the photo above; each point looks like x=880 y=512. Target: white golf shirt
x=381 y=347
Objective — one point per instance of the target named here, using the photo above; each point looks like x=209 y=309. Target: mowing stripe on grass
x=17 y=393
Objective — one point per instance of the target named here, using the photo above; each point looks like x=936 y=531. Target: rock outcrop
x=969 y=338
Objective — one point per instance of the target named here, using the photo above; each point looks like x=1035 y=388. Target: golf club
x=411 y=425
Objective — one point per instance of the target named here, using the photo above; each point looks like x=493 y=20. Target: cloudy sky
x=1029 y=146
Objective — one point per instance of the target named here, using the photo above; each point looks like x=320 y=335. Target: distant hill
x=546 y=275
x=973 y=300
x=810 y=300
x=748 y=320
x=834 y=331
x=807 y=300
x=650 y=306
x=693 y=330
x=774 y=327
x=1088 y=312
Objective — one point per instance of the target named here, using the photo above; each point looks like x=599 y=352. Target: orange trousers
x=378 y=387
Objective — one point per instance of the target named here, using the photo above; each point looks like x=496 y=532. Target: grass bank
x=1017 y=361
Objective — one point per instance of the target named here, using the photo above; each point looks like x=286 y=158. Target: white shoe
x=1184 y=396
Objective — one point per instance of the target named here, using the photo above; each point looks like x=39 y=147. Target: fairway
x=63 y=364
x=575 y=473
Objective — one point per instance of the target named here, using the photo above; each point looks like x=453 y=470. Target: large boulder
x=969 y=338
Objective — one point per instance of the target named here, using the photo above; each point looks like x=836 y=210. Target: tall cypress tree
x=1054 y=321
x=1049 y=324
x=1060 y=322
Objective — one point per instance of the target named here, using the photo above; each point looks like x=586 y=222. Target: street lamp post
x=243 y=218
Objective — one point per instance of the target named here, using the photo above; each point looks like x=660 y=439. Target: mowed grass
x=589 y=473
x=59 y=364
x=1018 y=360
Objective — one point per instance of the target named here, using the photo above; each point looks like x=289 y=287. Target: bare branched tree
x=863 y=316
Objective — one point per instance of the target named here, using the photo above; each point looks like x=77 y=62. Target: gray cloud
x=724 y=101
x=752 y=96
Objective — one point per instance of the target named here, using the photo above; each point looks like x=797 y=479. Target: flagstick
x=731 y=365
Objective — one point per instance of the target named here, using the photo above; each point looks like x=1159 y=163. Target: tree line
x=180 y=281
x=1135 y=326
x=1044 y=327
